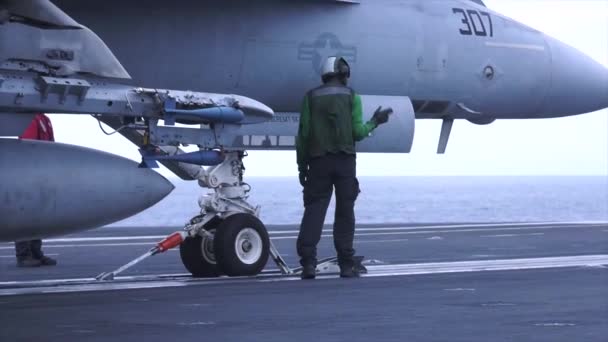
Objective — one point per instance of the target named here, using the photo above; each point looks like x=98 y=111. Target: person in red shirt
x=29 y=253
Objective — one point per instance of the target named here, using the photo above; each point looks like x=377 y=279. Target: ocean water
x=412 y=200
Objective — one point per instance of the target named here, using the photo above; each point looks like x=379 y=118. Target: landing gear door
x=395 y=136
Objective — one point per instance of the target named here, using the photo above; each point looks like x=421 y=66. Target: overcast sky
x=571 y=146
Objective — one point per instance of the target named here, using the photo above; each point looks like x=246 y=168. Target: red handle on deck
x=171 y=241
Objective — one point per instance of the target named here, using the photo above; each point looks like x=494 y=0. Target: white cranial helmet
x=335 y=66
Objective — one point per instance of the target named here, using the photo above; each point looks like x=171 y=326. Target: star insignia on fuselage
x=326 y=45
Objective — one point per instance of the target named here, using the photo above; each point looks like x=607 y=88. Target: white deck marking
x=389 y=231
x=421 y=230
x=108 y=238
x=122 y=283
x=498 y=304
x=454 y=227
x=512 y=235
x=461 y=289
x=381 y=241
x=481 y=226
x=45 y=246
x=195 y=323
x=555 y=324
x=13 y=256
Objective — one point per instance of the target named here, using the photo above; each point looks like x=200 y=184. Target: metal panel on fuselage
x=271 y=50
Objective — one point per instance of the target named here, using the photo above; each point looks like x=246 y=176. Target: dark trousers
x=326 y=173
x=28 y=249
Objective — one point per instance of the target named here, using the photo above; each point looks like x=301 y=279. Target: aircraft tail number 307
x=475 y=22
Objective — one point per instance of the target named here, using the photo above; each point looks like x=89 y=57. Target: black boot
x=349 y=272
x=28 y=262
x=308 y=271
x=46 y=261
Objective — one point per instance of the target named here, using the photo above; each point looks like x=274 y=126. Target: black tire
x=198 y=257
x=253 y=242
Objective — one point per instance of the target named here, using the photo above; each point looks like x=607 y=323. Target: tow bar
x=168 y=243
x=328 y=265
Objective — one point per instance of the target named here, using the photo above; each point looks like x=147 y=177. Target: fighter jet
x=142 y=67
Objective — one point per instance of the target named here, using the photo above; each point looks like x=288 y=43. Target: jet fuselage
x=452 y=58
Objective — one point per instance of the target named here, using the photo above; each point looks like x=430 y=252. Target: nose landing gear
x=227 y=237
x=236 y=246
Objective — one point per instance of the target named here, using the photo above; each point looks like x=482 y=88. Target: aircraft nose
x=579 y=84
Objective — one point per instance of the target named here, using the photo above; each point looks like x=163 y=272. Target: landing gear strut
x=228 y=236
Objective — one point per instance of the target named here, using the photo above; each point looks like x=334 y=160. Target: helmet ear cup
x=342 y=67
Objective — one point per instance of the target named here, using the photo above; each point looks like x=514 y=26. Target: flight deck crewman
x=29 y=253
x=330 y=125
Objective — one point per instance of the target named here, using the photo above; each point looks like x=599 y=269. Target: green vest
x=331 y=120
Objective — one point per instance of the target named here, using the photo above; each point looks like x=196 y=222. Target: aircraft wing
x=65 y=78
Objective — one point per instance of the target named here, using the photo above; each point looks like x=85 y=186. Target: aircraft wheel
x=242 y=245
x=198 y=255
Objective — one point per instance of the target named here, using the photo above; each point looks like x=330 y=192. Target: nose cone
x=578 y=83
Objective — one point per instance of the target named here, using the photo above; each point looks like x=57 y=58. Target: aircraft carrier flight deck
x=426 y=282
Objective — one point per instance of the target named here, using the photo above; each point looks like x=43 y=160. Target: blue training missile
x=220 y=114
x=203 y=158
x=49 y=189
